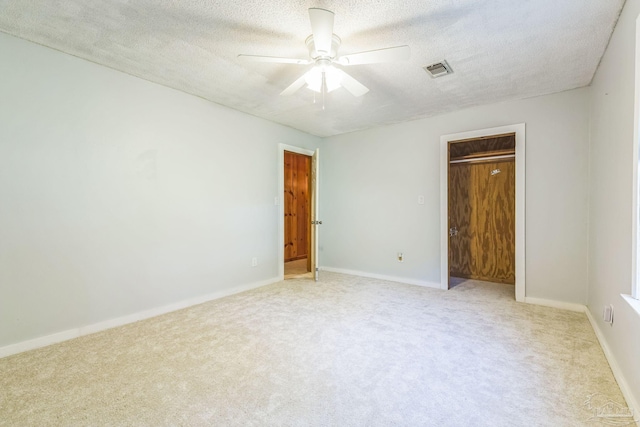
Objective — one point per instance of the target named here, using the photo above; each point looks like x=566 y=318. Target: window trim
x=635 y=215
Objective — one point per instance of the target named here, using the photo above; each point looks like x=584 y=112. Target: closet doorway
x=482 y=209
x=482 y=206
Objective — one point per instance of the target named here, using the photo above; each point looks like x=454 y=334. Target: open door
x=310 y=212
x=313 y=256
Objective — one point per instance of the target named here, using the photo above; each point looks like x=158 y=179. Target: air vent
x=438 y=69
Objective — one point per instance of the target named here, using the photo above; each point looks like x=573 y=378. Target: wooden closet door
x=462 y=244
x=482 y=209
x=495 y=221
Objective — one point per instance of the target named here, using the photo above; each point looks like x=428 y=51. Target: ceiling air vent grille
x=438 y=69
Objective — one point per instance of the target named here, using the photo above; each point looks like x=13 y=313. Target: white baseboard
x=632 y=402
x=119 y=321
x=383 y=277
x=556 y=304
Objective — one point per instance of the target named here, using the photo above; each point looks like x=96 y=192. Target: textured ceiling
x=498 y=49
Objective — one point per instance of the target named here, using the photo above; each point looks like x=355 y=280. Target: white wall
x=373 y=179
x=610 y=207
x=118 y=195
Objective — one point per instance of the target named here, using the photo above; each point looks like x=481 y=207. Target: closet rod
x=478 y=159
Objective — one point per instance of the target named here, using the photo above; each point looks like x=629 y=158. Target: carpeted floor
x=345 y=351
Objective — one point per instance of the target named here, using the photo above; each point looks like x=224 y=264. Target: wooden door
x=297 y=216
x=482 y=209
x=461 y=221
x=315 y=179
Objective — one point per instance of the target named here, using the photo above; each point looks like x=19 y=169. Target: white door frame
x=281 y=149
x=519 y=130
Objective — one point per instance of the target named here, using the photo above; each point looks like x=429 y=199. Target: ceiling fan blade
x=258 y=58
x=294 y=86
x=352 y=85
x=390 y=54
x=322 y=29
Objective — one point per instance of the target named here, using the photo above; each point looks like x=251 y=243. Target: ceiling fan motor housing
x=315 y=55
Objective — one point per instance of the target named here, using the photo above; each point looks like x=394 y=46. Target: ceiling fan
x=323 y=47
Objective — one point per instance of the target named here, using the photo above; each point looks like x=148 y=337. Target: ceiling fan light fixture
x=333 y=78
x=323 y=47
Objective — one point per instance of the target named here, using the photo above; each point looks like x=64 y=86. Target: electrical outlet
x=254 y=262
x=421 y=200
x=400 y=257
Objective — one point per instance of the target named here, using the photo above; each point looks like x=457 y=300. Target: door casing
x=519 y=130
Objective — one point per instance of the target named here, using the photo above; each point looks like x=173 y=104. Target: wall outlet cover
x=607 y=314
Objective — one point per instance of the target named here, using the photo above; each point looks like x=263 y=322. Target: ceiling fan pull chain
x=324 y=86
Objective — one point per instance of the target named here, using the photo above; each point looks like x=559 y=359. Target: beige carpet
x=345 y=351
